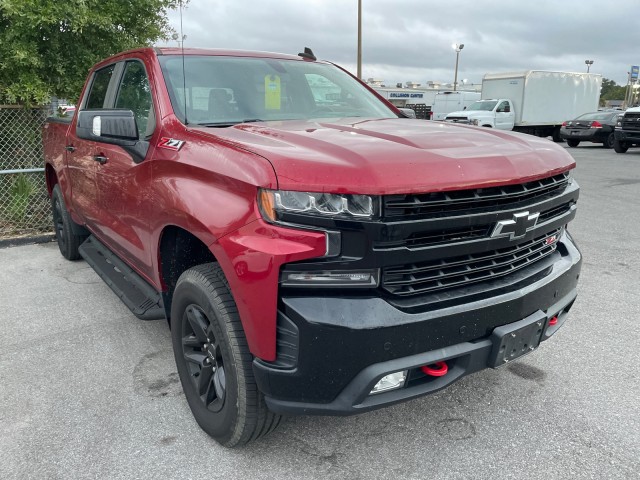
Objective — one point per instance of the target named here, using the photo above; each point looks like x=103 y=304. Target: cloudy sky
x=410 y=40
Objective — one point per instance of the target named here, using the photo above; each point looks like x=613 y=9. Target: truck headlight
x=474 y=121
x=274 y=202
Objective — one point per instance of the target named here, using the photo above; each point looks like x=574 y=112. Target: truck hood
x=391 y=156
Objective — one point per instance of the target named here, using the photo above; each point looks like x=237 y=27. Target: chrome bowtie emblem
x=521 y=223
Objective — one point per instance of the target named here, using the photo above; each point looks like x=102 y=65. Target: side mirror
x=408 y=112
x=114 y=126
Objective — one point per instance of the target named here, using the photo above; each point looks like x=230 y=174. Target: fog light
x=364 y=278
x=390 y=382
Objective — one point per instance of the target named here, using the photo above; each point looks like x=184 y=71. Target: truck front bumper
x=630 y=137
x=336 y=349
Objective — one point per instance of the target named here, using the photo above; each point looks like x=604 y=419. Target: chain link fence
x=24 y=203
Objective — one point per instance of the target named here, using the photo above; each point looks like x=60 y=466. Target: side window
x=99 y=87
x=134 y=94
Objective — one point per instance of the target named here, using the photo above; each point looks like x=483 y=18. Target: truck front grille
x=631 y=121
x=453 y=272
x=473 y=201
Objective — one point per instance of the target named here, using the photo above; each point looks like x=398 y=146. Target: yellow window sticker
x=272 y=92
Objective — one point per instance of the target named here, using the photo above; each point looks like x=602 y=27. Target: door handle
x=101 y=159
x=70 y=148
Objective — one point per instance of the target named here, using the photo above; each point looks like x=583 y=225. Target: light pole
x=457 y=47
x=588 y=63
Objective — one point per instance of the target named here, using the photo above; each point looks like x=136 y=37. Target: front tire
x=213 y=359
x=68 y=242
x=573 y=143
x=620 y=147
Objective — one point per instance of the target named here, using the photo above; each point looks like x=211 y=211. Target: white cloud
x=411 y=39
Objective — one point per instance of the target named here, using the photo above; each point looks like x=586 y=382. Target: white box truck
x=534 y=102
x=447 y=102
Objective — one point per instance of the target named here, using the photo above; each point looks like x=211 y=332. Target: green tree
x=611 y=91
x=47 y=46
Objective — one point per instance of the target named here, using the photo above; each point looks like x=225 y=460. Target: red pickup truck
x=314 y=251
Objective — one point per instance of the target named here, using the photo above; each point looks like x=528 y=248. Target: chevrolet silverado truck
x=313 y=251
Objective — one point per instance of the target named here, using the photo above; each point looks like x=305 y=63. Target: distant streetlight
x=588 y=63
x=457 y=47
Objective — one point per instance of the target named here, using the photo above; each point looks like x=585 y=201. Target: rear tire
x=555 y=135
x=573 y=143
x=620 y=147
x=68 y=242
x=609 y=140
x=213 y=359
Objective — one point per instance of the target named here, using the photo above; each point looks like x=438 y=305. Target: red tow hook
x=438 y=369
x=553 y=321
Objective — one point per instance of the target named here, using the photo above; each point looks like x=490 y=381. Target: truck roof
x=202 y=51
x=225 y=52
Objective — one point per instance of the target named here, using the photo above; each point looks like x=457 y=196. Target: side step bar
x=140 y=297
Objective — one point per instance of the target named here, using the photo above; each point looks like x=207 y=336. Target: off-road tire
x=68 y=242
x=205 y=326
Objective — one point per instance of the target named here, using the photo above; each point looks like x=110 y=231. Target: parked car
x=596 y=127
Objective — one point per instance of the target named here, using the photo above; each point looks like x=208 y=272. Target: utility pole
x=360 y=39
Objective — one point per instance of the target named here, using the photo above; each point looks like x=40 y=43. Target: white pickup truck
x=534 y=102
x=494 y=113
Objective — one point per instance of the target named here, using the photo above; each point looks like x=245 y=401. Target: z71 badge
x=170 y=143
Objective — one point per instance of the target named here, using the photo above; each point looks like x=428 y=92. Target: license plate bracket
x=515 y=340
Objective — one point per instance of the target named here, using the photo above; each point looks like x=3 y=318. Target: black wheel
x=68 y=242
x=608 y=141
x=555 y=135
x=213 y=359
x=573 y=143
x=620 y=147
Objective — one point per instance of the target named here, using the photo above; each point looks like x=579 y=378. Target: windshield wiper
x=229 y=124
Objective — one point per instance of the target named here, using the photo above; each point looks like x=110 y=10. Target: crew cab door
x=123 y=180
x=504 y=116
x=81 y=164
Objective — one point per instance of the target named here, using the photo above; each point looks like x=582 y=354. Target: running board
x=140 y=297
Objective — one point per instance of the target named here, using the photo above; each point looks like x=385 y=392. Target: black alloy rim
x=58 y=222
x=203 y=357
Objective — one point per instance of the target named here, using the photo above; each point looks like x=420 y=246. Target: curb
x=18 y=242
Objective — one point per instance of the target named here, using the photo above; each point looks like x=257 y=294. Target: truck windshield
x=221 y=91
x=486 y=105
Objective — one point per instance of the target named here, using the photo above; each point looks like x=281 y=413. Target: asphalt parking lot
x=89 y=391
